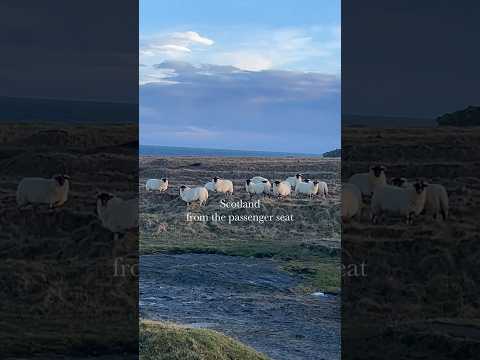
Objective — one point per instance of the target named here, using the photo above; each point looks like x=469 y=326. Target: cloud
x=245 y=60
x=171 y=48
x=193 y=37
x=171 y=45
x=226 y=107
x=311 y=48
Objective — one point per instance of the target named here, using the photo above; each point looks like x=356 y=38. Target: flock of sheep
x=399 y=197
x=114 y=213
x=256 y=186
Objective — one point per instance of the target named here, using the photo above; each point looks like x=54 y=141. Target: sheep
x=322 y=189
x=351 y=201
x=267 y=185
x=436 y=201
x=254 y=188
x=258 y=179
x=157 y=184
x=293 y=180
x=223 y=186
x=36 y=190
x=281 y=188
x=402 y=201
x=400 y=182
x=367 y=182
x=210 y=186
x=307 y=187
x=63 y=193
x=189 y=195
x=116 y=214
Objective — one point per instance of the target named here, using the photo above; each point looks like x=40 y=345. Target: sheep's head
x=315 y=182
x=398 y=181
x=104 y=198
x=299 y=176
x=377 y=170
x=60 y=179
x=215 y=179
x=164 y=179
x=420 y=186
x=248 y=181
x=306 y=180
x=277 y=182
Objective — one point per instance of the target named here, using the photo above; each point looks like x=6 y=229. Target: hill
x=161 y=341
x=333 y=153
x=467 y=117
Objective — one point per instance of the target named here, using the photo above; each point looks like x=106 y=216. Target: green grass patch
x=318 y=265
x=165 y=341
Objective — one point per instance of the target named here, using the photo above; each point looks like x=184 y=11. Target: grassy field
x=423 y=278
x=308 y=245
x=165 y=341
x=58 y=292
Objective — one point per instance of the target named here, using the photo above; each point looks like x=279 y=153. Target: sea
x=156 y=150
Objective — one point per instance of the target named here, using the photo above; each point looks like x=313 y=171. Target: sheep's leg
x=444 y=215
x=410 y=218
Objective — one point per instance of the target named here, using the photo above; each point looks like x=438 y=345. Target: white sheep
x=157 y=184
x=36 y=190
x=436 y=201
x=258 y=179
x=400 y=201
x=351 y=201
x=223 y=186
x=210 y=186
x=400 y=182
x=293 y=180
x=281 y=188
x=116 y=214
x=254 y=188
x=267 y=187
x=266 y=183
x=307 y=187
x=196 y=194
x=367 y=182
x=63 y=193
x=322 y=189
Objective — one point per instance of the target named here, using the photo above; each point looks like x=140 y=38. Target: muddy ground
x=246 y=298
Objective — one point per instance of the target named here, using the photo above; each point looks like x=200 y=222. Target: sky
x=410 y=58
x=253 y=75
x=80 y=50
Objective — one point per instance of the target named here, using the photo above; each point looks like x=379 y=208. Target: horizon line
x=240 y=150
